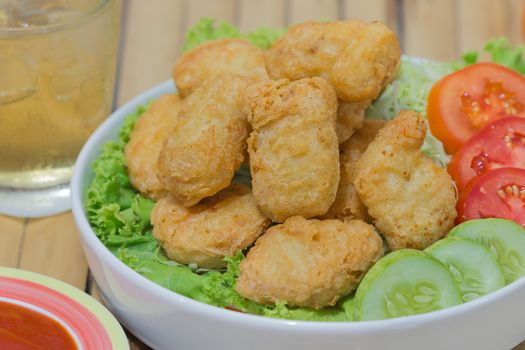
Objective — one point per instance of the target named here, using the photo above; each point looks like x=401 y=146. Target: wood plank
x=150 y=44
x=52 y=247
x=194 y=10
x=92 y=288
x=253 y=14
x=307 y=10
x=478 y=21
x=135 y=343
x=430 y=29
x=369 y=10
x=373 y=10
x=515 y=18
x=11 y=237
x=95 y=293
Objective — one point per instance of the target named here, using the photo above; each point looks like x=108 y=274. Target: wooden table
x=152 y=33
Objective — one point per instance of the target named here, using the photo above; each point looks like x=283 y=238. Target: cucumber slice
x=504 y=238
x=405 y=282
x=474 y=267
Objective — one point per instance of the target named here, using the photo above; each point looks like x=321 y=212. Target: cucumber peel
x=473 y=266
x=504 y=238
x=405 y=282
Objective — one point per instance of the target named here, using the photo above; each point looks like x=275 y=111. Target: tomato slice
x=500 y=144
x=498 y=193
x=465 y=101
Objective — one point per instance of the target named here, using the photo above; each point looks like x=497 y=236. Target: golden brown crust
x=410 y=197
x=145 y=142
x=200 y=156
x=347 y=204
x=293 y=148
x=365 y=135
x=309 y=263
x=217 y=227
x=350 y=117
x=358 y=58
x=218 y=57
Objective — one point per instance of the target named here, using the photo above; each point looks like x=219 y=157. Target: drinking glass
x=57 y=76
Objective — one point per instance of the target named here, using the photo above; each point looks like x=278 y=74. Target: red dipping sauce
x=24 y=329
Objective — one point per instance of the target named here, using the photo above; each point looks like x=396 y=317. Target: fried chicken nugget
x=217 y=227
x=145 y=142
x=308 y=263
x=294 y=157
x=217 y=57
x=350 y=118
x=347 y=204
x=410 y=197
x=200 y=156
x=358 y=58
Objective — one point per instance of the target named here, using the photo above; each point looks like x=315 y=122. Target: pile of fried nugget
x=324 y=179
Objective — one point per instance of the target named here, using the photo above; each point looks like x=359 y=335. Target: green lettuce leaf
x=206 y=30
x=470 y=57
x=111 y=201
x=219 y=288
x=147 y=259
x=501 y=52
x=120 y=218
x=281 y=310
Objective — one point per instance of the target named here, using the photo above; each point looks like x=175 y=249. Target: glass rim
x=94 y=12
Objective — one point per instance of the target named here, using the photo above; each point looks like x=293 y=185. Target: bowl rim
x=83 y=166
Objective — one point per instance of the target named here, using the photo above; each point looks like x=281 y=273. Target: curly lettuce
x=501 y=52
x=120 y=216
x=206 y=29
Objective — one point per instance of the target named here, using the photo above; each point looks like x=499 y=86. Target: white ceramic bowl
x=166 y=320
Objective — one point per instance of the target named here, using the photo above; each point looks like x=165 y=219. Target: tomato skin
x=500 y=144
x=482 y=197
x=453 y=120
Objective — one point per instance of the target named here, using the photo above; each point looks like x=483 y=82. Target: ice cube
x=66 y=80
x=19 y=71
x=4 y=19
x=34 y=13
x=70 y=66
